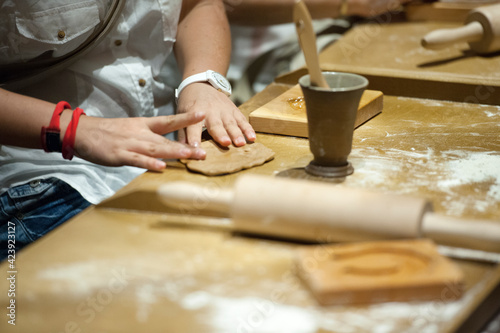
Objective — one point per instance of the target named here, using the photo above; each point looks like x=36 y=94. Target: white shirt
x=108 y=82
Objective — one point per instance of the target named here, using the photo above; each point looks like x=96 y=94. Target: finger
x=198 y=154
x=193 y=134
x=234 y=132
x=171 y=150
x=246 y=128
x=166 y=149
x=218 y=132
x=249 y=133
x=167 y=124
x=142 y=161
x=181 y=136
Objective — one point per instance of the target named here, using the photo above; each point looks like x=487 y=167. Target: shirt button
x=142 y=82
x=61 y=34
x=19 y=216
x=118 y=42
x=35 y=183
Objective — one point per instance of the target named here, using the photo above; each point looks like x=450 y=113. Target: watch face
x=222 y=81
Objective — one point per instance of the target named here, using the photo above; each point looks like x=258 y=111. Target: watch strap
x=50 y=135
x=200 y=77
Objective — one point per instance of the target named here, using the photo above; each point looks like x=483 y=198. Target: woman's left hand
x=224 y=121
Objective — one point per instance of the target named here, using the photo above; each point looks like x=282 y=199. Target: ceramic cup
x=331 y=114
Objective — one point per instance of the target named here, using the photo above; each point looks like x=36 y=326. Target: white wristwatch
x=218 y=81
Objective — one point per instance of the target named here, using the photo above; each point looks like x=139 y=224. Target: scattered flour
x=471 y=168
x=146 y=297
x=258 y=315
x=423 y=101
x=84 y=277
x=492 y=114
x=224 y=306
x=249 y=314
x=453 y=170
x=196 y=300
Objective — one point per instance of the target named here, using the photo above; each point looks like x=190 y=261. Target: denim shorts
x=31 y=210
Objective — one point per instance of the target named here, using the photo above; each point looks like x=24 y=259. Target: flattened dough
x=222 y=160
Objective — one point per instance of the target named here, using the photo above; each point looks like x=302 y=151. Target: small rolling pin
x=320 y=212
x=481 y=31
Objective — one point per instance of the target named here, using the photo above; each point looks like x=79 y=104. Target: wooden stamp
x=382 y=271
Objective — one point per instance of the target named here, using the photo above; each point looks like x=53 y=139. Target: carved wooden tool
x=307 y=41
x=320 y=212
x=380 y=271
x=481 y=31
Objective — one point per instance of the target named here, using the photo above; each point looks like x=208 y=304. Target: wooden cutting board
x=286 y=114
x=383 y=271
x=444 y=11
x=391 y=58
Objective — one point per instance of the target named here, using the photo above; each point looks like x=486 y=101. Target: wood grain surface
x=133 y=265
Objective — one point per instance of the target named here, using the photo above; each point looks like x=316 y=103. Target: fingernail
x=201 y=153
x=195 y=144
x=225 y=139
x=252 y=136
x=199 y=114
x=185 y=152
x=160 y=164
x=240 y=141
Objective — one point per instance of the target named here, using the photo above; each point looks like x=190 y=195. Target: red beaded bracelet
x=51 y=135
x=68 y=144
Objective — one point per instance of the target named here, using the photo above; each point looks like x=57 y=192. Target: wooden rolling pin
x=481 y=31
x=321 y=212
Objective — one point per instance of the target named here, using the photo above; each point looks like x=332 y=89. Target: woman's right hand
x=136 y=141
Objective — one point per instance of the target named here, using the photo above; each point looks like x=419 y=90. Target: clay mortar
x=331 y=114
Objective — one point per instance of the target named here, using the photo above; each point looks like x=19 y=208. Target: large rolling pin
x=320 y=212
x=481 y=31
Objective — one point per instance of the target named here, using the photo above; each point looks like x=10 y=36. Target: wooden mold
x=286 y=114
x=383 y=271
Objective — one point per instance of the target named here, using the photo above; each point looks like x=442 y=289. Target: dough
x=222 y=160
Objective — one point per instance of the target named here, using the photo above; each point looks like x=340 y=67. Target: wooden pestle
x=320 y=212
x=481 y=31
x=307 y=41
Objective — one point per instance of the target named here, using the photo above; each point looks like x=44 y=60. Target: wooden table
x=132 y=265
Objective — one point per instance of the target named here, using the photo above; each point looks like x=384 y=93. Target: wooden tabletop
x=132 y=265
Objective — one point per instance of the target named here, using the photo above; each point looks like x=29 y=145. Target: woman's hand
x=224 y=121
x=136 y=142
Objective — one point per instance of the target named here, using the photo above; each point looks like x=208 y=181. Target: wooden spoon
x=307 y=41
